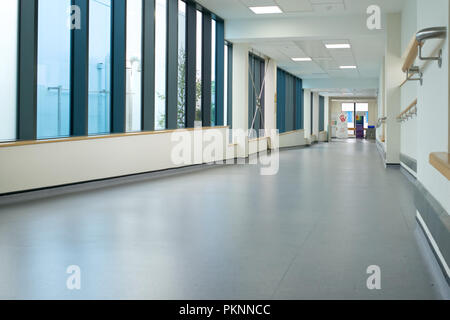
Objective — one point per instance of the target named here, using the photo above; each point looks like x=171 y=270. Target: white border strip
x=404 y=166
x=433 y=243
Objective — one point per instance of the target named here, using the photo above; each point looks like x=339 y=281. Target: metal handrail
x=431 y=33
x=428 y=34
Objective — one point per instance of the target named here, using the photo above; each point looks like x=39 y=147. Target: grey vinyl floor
x=308 y=232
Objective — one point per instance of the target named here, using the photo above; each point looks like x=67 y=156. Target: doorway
x=353 y=110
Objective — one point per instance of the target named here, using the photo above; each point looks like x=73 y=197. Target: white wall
x=270 y=112
x=58 y=163
x=292 y=139
x=327 y=113
x=381 y=104
x=433 y=113
x=409 y=89
x=240 y=93
x=393 y=78
x=8 y=59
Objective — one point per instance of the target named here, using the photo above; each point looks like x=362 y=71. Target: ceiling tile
x=313 y=48
x=327 y=1
x=295 y=5
x=256 y=3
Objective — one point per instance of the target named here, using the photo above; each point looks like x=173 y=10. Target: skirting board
x=380 y=148
x=29 y=195
x=435 y=223
x=408 y=162
x=408 y=170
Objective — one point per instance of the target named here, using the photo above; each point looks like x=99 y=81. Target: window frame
x=79 y=81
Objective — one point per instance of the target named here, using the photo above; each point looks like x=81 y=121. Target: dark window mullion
x=148 y=66
x=118 y=67
x=172 y=64
x=220 y=73
x=191 y=63
x=206 y=71
x=80 y=73
x=27 y=73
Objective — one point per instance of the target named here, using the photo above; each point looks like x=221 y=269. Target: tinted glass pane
x=213 y=72
x=134 y=65
x=160 y=63
x=181 y=64
x=198 y=106
x=99 y=66
x=53 y=81
x=8 y=81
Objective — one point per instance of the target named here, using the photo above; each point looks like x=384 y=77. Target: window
x=181 y=102
x=321 y=113
x=99 y=66
x=81 y=89
x=198 y=105
x=299 y=104
x=364 y=107
x=9 y=20
x=53 y=79
x=134 y=66
x=281 y=102
x=213 y=72
x=160 y=63
x=289 y=102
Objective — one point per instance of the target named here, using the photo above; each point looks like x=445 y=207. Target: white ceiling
x=348 y=93
x=239 y=9
x=366 y=55
x=366 y=51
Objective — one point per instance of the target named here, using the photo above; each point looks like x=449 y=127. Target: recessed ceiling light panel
x=302 y=59
x=347 y=67
x=266 y=9
x=338 y=46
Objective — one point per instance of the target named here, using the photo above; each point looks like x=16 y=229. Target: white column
x=240 y=94
x=316 y=115
x=327 y=116
x=393 y=78
x=270 y=113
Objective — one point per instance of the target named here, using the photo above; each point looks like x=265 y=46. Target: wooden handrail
x=108 y=136
x=290 y=132
x=407 y=79
x=411 y=54
x=441 y=161
x=412 y=105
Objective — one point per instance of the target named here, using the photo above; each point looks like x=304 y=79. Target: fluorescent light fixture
x=302 y=59
x=338 y=46
x=347 y=67
x=266 y=9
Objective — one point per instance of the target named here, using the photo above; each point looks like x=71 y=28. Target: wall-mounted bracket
x=414 y=70
x=427 y=34
x=381 y=121
x=438 y=58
